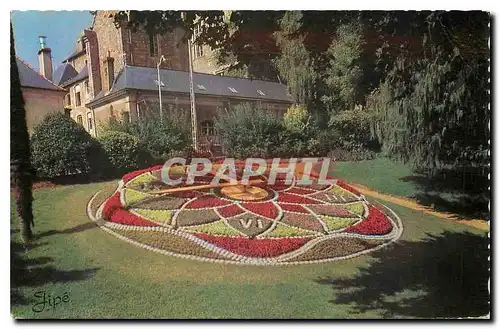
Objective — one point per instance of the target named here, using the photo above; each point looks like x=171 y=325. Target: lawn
x=380 y=174
x=437 y=269
x=445 y=193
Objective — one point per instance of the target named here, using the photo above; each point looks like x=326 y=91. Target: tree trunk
x=20 y=167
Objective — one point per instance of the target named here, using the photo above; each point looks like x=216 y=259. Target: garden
x=211 y=253
x=400 y=231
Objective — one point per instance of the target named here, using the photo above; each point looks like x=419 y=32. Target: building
x=136 y=89
x=113 y=72
x=41 y=95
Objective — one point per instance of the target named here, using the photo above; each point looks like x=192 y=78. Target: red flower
x=230 y=211
x=376 y=223
x=293 y=208
x=266 y=209
x=113 y=212
x=298 y=190
x=122 y=216
x=291 y=198
x=136 y=173
x=347 y=187
x=111 y=205
x=255 y=247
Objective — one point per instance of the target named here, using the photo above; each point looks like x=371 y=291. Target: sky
x=62 y=28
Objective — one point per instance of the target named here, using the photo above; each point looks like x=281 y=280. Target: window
x=67 y=111
x=198 y=50
x=207 y=128
x=233 y=90
x=79 y=119
x=226 y=106
x=201 y=87
x=89 y=121
x=68 y=99
x=87 y=89
x=78 y=99
x=260 y=92
x=153 y=45
x=126 y=117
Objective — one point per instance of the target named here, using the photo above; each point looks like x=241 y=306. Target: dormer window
x=233 y=90
x=201 y=87
x=260 y=92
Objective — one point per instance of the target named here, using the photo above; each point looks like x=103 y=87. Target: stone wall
x=137 y=46
x=205 y=63
x=40 y=102
x=109 y=40
x=133 y=47
x=92 y=48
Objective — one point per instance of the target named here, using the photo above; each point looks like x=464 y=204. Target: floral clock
x=259 y=225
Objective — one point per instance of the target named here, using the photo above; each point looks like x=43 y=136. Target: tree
x=433 y=108
x=344 y=74
x=295 y=64
x=20 y=167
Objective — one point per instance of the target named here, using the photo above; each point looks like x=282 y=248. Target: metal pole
x=194 y=123
x=159 y=92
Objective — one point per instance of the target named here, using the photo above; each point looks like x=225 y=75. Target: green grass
x=437 y=269
x=380 y=174
x=443 y=193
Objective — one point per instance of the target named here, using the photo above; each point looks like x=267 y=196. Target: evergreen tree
x=20 y=167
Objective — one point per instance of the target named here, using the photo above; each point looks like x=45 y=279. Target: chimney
x=44 y=59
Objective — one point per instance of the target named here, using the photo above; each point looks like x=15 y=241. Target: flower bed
x=257 y=247
x=376 y=223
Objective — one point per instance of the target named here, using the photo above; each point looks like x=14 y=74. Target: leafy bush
x=296 y=118
x=322 y=142
x=355 y=134
x=60 y=146
x=159 y=138
x=249 y=131
x=123 y=151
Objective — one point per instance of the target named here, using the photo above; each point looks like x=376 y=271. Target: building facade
x=41 y=96
x=113 y=73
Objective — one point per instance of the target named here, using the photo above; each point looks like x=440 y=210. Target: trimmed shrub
x=123 y=151
x=60 y=147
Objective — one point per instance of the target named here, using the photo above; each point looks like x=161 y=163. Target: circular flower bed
x=292 y=224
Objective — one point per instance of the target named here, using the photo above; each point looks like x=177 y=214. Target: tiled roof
x=31 y=78
x=144 y=78
x=63 y=73
x=84 y=73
